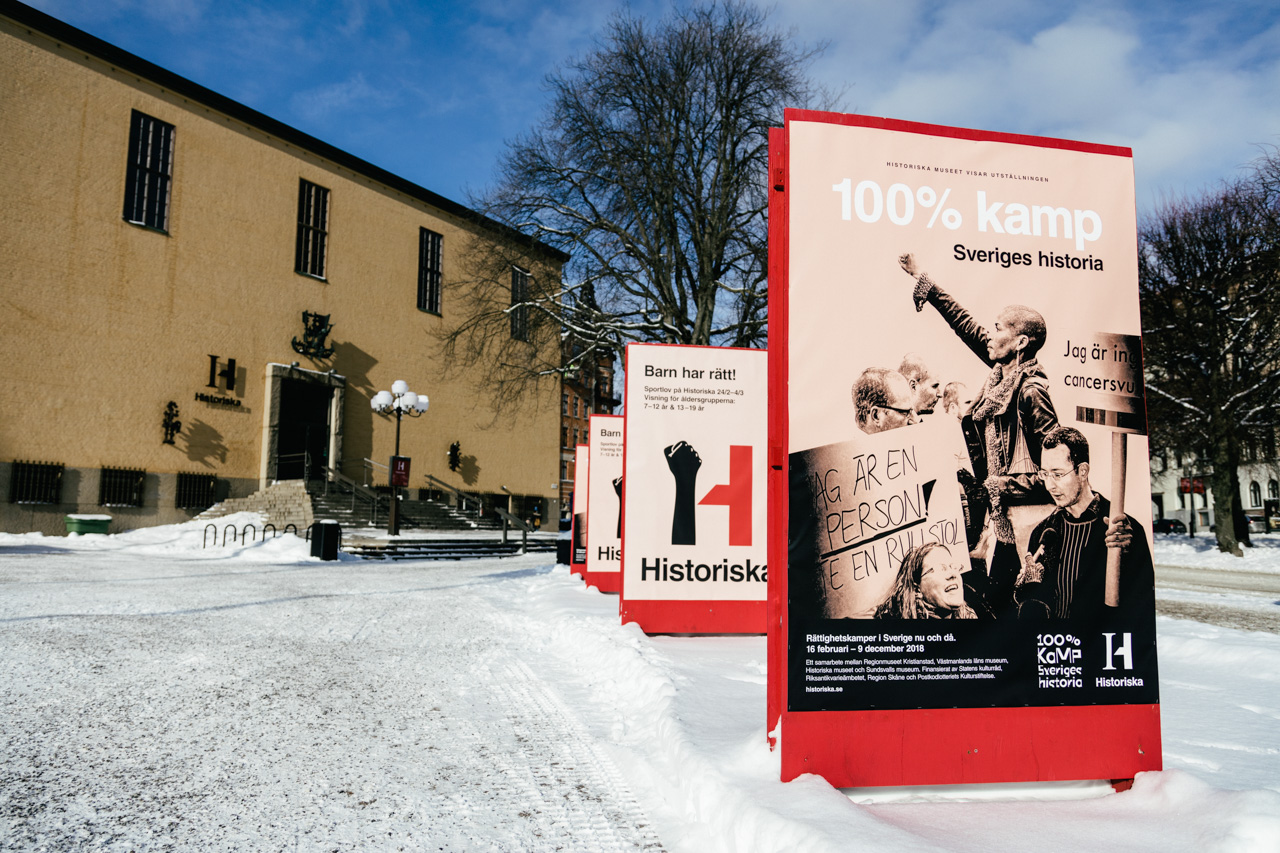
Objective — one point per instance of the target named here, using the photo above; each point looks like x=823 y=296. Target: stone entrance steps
x=443 y=549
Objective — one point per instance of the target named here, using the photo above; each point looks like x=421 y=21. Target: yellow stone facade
x=105 y=322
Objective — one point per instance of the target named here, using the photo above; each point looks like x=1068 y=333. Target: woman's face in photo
x=940 y=583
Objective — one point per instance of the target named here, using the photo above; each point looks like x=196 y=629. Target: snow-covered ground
x=157 y=696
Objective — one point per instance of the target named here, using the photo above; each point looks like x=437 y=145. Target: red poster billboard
x=695 y=522
x=578 y=524
x=604 y=503
x=963 y=588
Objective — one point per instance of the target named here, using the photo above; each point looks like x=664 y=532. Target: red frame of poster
x=691 y=616
x=927 y=746
x=604 y=581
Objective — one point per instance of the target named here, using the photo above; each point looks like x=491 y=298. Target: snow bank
x=1174 y=549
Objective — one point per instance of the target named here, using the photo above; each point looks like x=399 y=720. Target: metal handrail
x=305 y=456
x=333 y=475
x=520 y=525
x=369 y=465
x=460 y=495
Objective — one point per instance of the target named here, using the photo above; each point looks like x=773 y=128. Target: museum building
x=200 y=300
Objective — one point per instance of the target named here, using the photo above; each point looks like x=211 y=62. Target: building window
x=564 y=436
x=576 y=401
x=313 y=228
x=564 y=404
x=35 y=483
x=519 y=310
x=196 y=491
x=121 y=487
x=1273 y=490
x=149 y=173
x=429 y=266
x=1255 y=494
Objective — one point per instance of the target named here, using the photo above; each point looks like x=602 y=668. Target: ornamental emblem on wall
x=315 y=329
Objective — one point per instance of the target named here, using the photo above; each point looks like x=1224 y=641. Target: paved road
x=153 y=704
x=1249 y=601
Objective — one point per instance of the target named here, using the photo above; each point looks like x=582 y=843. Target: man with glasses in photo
x=1064 y=575
x=883 y=400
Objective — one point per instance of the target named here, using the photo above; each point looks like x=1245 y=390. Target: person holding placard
x=1064 y=575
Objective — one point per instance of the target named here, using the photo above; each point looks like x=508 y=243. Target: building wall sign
x=228 y=373
x=229 y=402
x=315 y=330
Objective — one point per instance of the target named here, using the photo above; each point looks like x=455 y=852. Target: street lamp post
x=399 y=401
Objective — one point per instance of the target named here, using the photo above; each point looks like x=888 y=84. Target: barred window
x=196 y=491
x=149 y=172
x=429 y=266
x=313 y=228
x=519 y=310
x=121 y=487
x=35 y=483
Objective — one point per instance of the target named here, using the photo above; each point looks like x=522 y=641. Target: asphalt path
x=1248 y=601
x=161 y=704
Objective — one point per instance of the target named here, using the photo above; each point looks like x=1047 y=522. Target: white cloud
x=322 y=102
x=1191 y=90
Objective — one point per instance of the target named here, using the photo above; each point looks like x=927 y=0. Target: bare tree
x=650 y=171
x=1211 y=322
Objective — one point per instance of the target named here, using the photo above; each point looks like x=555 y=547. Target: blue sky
x=432 y=90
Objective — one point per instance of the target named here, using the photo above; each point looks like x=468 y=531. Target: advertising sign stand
x=694 y=556
x=604 y=503
x=953 y=598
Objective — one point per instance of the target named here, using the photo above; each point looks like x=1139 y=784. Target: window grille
x=519 y=310
x=196 y=491
x=121 y=487
x=429 y=267
x=149 y=172
x=313 y=228
x=35 y=483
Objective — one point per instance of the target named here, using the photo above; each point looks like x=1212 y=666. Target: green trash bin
x=88 y=523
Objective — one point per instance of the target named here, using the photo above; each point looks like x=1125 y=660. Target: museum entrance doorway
x=302 y=440
x=303 y=428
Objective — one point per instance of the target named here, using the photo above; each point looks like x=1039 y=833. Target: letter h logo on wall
x=684 y=463
x=228 y=373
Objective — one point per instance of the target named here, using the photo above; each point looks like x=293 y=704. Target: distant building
x=199 y=300
x=1259 y=478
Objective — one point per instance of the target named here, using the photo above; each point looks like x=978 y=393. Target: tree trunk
x=1240 y=521
x=1226 y=495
